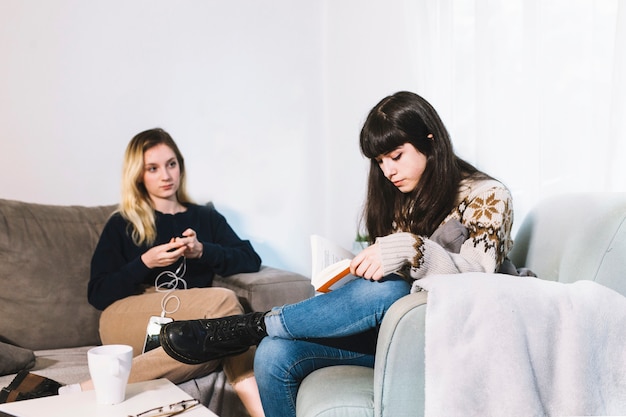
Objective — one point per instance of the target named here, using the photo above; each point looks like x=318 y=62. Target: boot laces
x=232 y=328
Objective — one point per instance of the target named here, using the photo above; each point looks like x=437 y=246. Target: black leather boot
x=198 y=341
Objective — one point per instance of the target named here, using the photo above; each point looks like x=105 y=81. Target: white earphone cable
x=168 y=287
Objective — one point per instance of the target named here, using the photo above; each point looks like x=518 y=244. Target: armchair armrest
x=394 y=388
x=399 y=366
x=270 y=287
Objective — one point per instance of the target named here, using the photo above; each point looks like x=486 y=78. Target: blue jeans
x=287 y=355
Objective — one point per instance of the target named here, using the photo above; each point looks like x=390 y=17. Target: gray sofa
x=565 y=238
x=46 y=321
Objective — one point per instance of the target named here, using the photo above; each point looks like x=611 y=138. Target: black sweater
x=117 y=270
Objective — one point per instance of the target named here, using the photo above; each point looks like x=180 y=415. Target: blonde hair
x=136 y=206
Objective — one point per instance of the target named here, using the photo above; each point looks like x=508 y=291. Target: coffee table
x=140 y=396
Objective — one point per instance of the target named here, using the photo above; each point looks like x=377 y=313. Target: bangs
x=380 y=136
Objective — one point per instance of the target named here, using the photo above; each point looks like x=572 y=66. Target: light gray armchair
x=565 y=238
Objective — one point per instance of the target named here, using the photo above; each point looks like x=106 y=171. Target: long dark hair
x=401 y=118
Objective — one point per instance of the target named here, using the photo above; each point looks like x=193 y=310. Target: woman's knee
x=271 y=355
x=125 y=320
x=386 y=291
x=226 y=303
x=287 y=360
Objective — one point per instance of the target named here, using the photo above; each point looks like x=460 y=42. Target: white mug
x=109 y=367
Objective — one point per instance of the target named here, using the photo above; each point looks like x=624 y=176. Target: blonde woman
x=158 y=233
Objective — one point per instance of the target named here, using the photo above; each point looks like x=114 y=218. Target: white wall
x=266 y=99
x=239 y=85
x=367 y=59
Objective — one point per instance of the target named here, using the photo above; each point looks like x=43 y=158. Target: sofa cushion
x=14 y=359
x=45 y=254
x=337 y=391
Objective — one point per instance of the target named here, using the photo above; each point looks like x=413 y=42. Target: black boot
x=198 y=341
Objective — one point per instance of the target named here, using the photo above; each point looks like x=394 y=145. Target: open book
x=331 y=264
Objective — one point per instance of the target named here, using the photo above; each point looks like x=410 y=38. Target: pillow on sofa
x=14 y=359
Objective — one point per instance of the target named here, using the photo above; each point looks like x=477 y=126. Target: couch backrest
x=576 y=236
x=45 y=256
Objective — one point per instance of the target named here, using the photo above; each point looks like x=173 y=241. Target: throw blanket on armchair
x=498 y=345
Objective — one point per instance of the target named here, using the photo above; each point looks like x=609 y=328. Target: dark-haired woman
x=427 y=212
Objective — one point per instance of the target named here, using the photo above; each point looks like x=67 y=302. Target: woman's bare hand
x=194 y=248
x=368 y=264
x=164 y=255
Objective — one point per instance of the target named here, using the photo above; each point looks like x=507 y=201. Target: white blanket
x=498 y=345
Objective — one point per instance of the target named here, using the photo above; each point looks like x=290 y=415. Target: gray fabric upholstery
x=45 y=253
x=45 y=256
x=328 y=383
x=576 y=236
x=564 y=238
x=14 y=359
x=64 y=365
x=260 y=292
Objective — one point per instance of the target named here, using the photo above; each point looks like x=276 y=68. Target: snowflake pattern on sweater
x=485 y=208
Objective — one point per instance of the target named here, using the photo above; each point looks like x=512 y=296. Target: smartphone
x=153 y=330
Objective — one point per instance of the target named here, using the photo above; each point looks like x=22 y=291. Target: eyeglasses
x=168 y=410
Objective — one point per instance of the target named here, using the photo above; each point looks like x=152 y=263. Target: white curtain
x=532 y=91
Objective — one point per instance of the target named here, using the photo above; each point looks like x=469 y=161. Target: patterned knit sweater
x=485 y=208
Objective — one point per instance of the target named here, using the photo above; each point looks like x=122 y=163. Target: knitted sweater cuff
x=396 y=250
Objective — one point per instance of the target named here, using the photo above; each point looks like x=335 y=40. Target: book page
x=330 y=264
x=325 y=253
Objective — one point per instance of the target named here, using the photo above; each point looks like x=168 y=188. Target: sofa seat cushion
x=66 y=366
x=337 y=391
